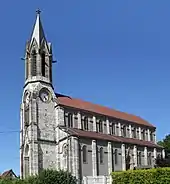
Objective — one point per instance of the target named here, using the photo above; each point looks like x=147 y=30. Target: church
x=61 y=132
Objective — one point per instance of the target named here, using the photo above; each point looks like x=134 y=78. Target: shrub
x=52 y=177
x=150 y=176
x=44 y=177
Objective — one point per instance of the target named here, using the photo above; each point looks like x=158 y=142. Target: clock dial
x=45 y=95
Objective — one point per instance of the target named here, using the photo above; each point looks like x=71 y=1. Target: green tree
x=165 y=143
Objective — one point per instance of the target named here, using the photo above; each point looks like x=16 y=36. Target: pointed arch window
x=139 y=159
x=143 y=135
x=116 y=156
x=99 y=126
x=27 y=68
x=85 y=126
x=43 y=64
x=124 y=131
x=149 y=159
x=84 y=149
x=65 y=153
x=112 y=128
x=26 y=161
x=26 y=116
x=70 y=120
x=134 y=135
x=101 y=156
x=34 y=61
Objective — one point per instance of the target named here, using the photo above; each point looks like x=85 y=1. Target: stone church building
x=61 y=132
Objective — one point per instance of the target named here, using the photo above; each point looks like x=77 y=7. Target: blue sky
x=115 y=53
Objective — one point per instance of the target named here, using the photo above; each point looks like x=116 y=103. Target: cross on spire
x=38 y=11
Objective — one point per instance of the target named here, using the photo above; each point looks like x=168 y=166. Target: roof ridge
x=132 y=117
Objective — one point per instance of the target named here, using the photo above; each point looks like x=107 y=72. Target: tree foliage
x=165 y=143
x=44 y=177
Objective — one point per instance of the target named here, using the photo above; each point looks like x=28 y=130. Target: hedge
x=150 y=176
x=44 y=177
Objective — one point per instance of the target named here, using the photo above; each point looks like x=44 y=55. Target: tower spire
x=38 y=32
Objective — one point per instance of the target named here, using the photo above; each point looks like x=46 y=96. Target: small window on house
x=85 y=123
x=116 y=156
x=124 y=131
x=84 y=149
x=70 y=120
x=101 y=156
x=34 y=66
x=139 y=159
x=149 y=159
x=43 y=64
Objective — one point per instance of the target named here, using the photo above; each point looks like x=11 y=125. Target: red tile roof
x=101 y=136
x=90 y=107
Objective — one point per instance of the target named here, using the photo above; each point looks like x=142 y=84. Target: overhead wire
x=9 y=131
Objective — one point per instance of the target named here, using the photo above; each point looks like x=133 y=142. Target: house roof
x=8 y=173
x=98 y=109
x=101 y=136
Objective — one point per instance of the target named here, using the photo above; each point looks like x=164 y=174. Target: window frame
x=34 y=63
x=116 y=156
x=101 y=155
x=84 y=154
x=70 y=120
x=85 y=124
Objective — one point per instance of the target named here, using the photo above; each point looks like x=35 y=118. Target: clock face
x=45 y=95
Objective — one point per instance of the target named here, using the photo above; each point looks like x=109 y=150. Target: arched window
x=143 y=135
x=101 y=155
x=112 y=128
x=26 y=150
x=43 y=64
x=26 y=161
x=100 y=126
x=151 y=136
x=149 y=159
x=27 y=68
x=26 y=116
x=85 y=123
x=84 y=149
x=65 y=153
x=34 y=61
x=139 y=159
x=116 y=156
x=134 y=133
x=70 y=120
x=124 y=131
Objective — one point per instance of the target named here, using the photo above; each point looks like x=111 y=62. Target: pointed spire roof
x=38 y=32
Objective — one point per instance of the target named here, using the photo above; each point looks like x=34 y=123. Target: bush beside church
x=155 y=176
x=45 y=177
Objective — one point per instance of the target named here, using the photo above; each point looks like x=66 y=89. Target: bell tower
x=38 y=57
x=38 y=106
